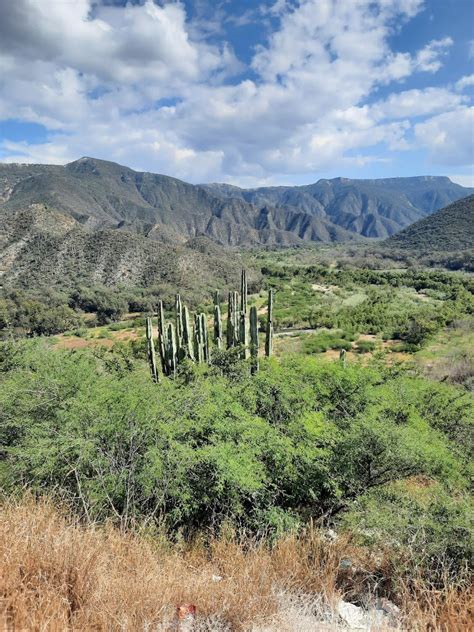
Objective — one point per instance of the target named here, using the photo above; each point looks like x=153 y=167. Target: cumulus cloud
x=429 y=58
x=449 y=137
x=125 y=44
x=142 y=85
x=412 y=103
x=464 y=179
x=465 y=82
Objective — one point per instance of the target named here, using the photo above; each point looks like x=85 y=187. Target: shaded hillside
x=42 y=247
x=450 y=229
x=373 y=208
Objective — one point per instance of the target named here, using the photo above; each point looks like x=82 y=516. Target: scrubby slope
x=450 y=229
x=40 y=246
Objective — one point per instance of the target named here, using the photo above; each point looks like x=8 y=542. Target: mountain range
x=371 y=208
x=97 y=221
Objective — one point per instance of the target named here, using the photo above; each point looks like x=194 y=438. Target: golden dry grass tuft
x=57 y=574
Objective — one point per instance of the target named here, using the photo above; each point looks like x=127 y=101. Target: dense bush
x=20 y=313
x=427 y=527
x=369 y=301
x=365 y=346
x=322 y=341
x=298 y=439
x=109 y=305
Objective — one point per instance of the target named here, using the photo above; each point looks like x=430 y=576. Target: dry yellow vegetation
x=57 y=574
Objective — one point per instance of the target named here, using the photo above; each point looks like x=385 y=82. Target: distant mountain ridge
x=449 y=229
x=104 y=195
x=372 y=208
x=94 y=221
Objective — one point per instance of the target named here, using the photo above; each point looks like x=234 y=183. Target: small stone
x=353 y=616
x=345 y=564
x=331 y=535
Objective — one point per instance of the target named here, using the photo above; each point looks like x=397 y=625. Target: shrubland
x=219 y=472
x=300 y=440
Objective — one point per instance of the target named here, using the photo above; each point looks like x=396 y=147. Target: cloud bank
x=144 y=85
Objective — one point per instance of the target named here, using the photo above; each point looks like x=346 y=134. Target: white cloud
x=119 y=44
x=464 y=82
x=100 y=79
x=465 y=179
x=449 y=137
x=411 y=103
x=429 y=58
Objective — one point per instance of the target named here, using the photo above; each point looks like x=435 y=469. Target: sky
x=239 y=91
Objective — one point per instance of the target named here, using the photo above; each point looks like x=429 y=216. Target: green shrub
x=415 y=331
x=365 y=346
x=321 y=342
x=419 y=523
x=299 y=439
x=81 y=332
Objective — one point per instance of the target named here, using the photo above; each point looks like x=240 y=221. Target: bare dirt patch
x=74 y=342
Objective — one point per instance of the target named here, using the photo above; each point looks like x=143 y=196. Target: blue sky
x=247 y=92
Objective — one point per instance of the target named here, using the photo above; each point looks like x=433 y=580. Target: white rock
x=353 y=616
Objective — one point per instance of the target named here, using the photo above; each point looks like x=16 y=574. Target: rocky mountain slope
x=102 y=195
x=43 y=247
x=449 y=229
x=372 y=208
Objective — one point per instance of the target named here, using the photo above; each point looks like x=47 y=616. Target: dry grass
x=56 y=574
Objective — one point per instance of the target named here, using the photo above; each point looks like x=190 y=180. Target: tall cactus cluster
x=177 y=343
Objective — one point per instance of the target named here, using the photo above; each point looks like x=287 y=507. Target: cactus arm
x=236 y=319
x=269 y=333
x=172 y=350
x=243 y=292
x=244 y=336
x=343 y=357
x=151 y=350
x=162 y=343
x=230 y=322
x=254 y=338
x=187 y=337
x=217 y=326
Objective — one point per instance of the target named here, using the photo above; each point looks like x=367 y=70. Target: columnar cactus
x=204 y=338
x=269 y=333
x=151 y=350
x=343 y=357
x=243 y=292
x=254 y=338
x=171 y=350
x=177 y=342
x=217 y=326
x=187 y=337
x=198 y=347
x=244 y=336
x=230 y=321
x=162 y=340
x=236 y=320
x=179 y=322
